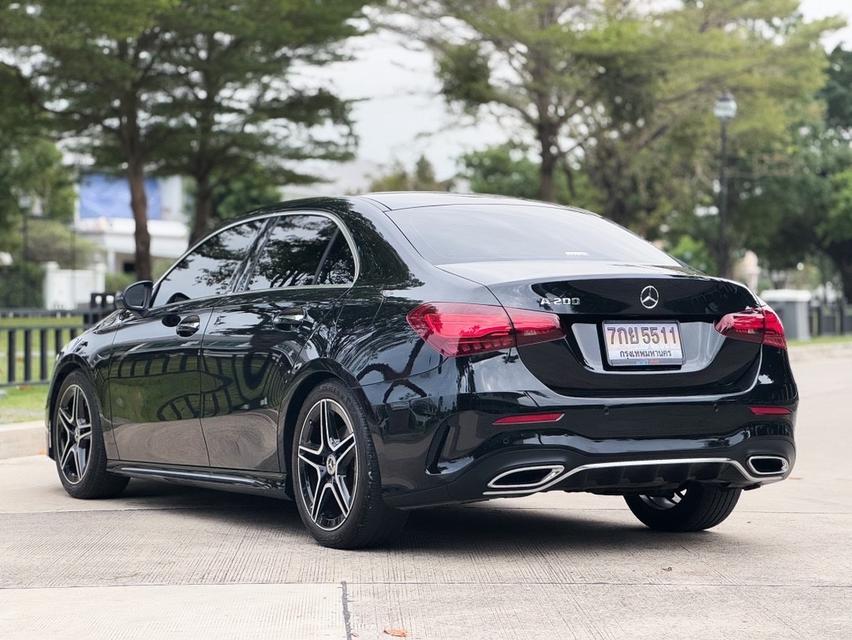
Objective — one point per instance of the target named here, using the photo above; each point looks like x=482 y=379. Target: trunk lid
x=587 y=294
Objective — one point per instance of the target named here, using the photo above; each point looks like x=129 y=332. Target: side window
x=207 y=271
x=339 y=264
x=292 y=252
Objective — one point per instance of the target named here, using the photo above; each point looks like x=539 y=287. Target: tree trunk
x=841 y=255
x=547 y=169
x=139 y=206
x=203 y=209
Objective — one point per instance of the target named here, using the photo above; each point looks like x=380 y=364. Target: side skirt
x=268 y=484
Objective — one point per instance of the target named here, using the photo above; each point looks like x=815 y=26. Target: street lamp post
x=725 y=109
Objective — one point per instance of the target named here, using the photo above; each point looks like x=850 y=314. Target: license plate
x=643 y=344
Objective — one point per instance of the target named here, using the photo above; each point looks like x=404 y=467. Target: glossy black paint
x=207 y=390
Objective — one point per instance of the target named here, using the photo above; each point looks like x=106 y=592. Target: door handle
x=289 y=318
x=188 y=326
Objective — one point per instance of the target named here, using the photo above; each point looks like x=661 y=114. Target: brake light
x=460 y=329
x=761 y=325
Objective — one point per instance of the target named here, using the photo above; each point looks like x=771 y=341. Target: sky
x=400 y=114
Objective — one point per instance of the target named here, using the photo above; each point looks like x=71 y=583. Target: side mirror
x=136 y=297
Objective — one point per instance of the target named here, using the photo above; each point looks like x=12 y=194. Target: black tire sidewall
x=703 y=507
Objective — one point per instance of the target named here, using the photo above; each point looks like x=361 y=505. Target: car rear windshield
x=481 y=233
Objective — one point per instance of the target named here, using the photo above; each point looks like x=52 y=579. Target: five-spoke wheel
x=74 y=434
x=78 y=441
x=328 y=464
x=335 y=472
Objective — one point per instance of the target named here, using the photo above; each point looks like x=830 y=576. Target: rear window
x=481 y=233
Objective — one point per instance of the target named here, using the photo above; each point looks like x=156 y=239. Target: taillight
x=459 y=329
x=761 y=325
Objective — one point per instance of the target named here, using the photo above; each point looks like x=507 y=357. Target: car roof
x=396 y=200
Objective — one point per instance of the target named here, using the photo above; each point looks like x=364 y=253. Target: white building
x=104 y=217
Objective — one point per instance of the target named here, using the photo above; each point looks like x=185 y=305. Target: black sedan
x=369 y=355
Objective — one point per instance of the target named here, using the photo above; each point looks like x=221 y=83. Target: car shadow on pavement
x=487 y=528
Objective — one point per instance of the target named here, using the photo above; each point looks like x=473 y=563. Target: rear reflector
x=460 y=329
x=770 y=411
x=761 y=325
x=530 y=418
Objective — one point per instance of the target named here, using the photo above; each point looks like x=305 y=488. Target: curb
x=19 y=440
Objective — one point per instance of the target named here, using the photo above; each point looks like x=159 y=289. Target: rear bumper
x=626 y=467
x=438 y=441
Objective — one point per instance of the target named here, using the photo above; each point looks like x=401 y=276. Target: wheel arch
x=64 y=368
x=308 y=379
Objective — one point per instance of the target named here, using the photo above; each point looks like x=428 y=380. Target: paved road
x=182 y=563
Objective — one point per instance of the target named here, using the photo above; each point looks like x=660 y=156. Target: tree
x=625 y=90
x=421 y=178
x=508 y=170
x=803 y=207
x=96 y=68
x=242 y=193
x=233 y=103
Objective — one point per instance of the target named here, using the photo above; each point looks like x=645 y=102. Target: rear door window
x=295 y=248
x=483 y=233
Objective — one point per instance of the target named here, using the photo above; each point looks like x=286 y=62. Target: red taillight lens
x=459 y=329
x=530 y=418
x=761 y=325
x=770 y=411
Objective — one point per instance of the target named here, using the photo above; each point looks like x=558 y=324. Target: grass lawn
x=22 y=404
x=33 y=323
x=826 y=340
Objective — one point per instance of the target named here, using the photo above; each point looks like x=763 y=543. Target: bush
x=21 y=286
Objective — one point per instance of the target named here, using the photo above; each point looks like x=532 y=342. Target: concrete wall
x=70 y=288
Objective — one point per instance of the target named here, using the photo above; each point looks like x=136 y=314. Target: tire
x=79 y=443
x=698 y=507
x=339 y=467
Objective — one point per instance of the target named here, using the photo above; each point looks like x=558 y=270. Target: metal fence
x=830 y=319
x=31 y=338
x=31 y=351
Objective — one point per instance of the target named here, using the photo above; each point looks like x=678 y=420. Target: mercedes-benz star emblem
x=649 y=297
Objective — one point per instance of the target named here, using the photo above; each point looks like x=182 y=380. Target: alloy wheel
x=328 y=464
x=74 y=434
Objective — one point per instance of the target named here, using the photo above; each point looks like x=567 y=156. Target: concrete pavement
x=170 y=562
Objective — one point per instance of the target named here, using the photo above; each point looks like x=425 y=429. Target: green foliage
x=234 y=102
x=244 y=193
x=420 y=178
x=508 y=170
x=693 y=252
x=209 y=89
x=837 y=92
x=838 y=223
x=21 y=286
x=464 y=73
x=623 y=92
x=117 y=281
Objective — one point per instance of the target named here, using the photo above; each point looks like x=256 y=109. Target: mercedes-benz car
x=370 y=355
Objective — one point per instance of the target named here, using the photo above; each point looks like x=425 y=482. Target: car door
x=154 y=378
x=284 y=306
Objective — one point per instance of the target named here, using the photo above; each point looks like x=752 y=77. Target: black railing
x=31 y=338
x=830 y=319
x=30 y=351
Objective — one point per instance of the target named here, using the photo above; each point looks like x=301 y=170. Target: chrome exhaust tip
x=525 y=478
x=768 y=465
